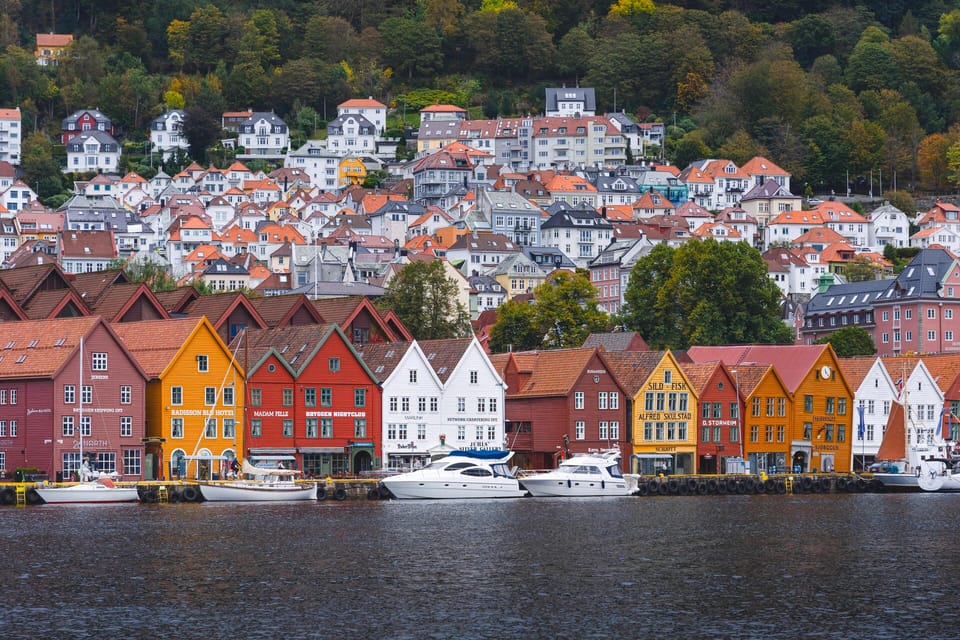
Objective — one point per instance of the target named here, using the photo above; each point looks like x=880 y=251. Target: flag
x=861 y=427
x=899 y=387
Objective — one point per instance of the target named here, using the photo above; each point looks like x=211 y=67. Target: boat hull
x=83 y=494
x=566 y=485
x=898 y=481
x=426 y=489
x=257 y=493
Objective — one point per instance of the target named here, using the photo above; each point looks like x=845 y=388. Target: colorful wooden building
x=664 y=428
x=718 y=444
x=818 y=433
x=311 y=399
x=195 y=399
x=560 y=403
x=68 y=387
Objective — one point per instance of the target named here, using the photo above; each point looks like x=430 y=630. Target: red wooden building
x=311 y=399
x=719 y=414
x=42 y=419
x=559 y=403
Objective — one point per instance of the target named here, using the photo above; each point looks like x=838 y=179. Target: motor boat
x=261 y=485
x=101 y=490
x=904 y=451
x=460 y=474
x=939 y=474
x=588 y=474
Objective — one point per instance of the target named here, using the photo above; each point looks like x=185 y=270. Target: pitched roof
x=383 y=357
x=167 y=337
x=444 y=355
x=553 y=373
x=53 y=343
x=792 y=362
x=631 y=368
x=855 y=370
x=617 y=341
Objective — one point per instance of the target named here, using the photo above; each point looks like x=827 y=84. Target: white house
x=92 y=151
x=11 y=135
x=263 y=135
x=318 y=162
x=372 y=110
x=888 y=225
x=166 y=133
x=472 y=406
x=412 y=421
x=873 y=394
x=351 y=133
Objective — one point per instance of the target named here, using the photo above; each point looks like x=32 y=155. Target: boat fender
x=653 y=486
x=692 y=485
x=568 y=483
x=861 y=484
x=190 y=494
x=33 y=497
x=702 y=488
x=841 y=484
x=742 y=487
x=150 y=495
x=384 y=492
x=807 y=484
x=340 y=494
x=781 y=487
x=770 y=485
x=674 y=486
x=642 y=489
x=373 y=494
x=662 y=489
x=321 y=493
x=824 y=485
x=8 y=496
x=603 y=484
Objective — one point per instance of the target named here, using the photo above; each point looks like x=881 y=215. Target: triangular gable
x=178 y=299
x=287 y=310
x=24 y=282
x=62 y=303
x=203 y=324
x=9 y=309
x=133 y=310
x=335 y=330
x=392 y=322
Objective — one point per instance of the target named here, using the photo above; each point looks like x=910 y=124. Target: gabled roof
x=279 y=311
x=167 y=338
x=218 y=307
x=617 y=341
x=115 y=301
x=383 y=357
x=444 y=355
x=55 y=303
x=176 y=300
x=24 y=282
x=792 y=362
x=631 y=369
x=53 y=343
x=855 y=370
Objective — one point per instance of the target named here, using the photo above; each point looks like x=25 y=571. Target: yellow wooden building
x=664 y=409
x=194 y=399
x=352 y=170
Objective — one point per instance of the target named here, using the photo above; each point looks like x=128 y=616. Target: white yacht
x=583 y=474
x=264 y=485
x=904 y=450
x=461 y=474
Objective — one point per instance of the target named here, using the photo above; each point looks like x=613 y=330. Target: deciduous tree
x=425 y=300
x=705 y=293
x=850 y=341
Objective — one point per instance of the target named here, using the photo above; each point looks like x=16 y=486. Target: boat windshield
x=587 y=469
x=614 y=471
x=501 y=470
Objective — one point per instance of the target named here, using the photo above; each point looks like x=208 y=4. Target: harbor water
x=872 y=566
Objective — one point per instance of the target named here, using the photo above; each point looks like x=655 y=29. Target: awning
x=271 y=458
x=321 y=449
x=274 y=451
x=653 y=456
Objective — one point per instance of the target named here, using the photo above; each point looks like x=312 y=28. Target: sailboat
x=89 y=490
x=901 y=460
x=265 y=485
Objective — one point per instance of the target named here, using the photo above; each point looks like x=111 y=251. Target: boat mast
x=80 y=412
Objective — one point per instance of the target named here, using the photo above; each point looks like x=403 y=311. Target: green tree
x=861 y=269
x=142 y=269
x=201 y=129
x=41 y=171
x=705 y=293
x=410 y=47
x=850 y=341
x=565 y=311
x=425 y=300
x=515 y=329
